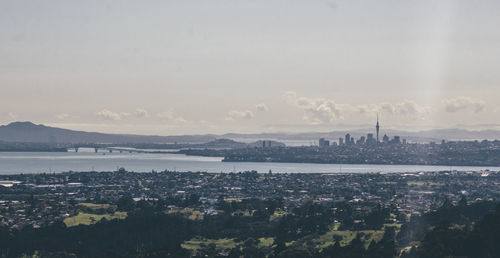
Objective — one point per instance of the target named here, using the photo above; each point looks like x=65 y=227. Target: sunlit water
x=40 y=162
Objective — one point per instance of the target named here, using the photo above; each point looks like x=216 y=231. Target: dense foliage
x=449 y=231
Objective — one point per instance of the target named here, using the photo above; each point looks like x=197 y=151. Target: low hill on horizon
x=30 y=132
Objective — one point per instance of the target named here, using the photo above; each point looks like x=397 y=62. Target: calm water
x=39 y=162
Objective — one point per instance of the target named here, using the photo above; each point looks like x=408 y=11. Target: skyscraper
x=378 y=128
x=347 y=139
x=323 y=143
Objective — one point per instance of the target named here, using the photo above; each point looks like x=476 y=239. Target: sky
x=250 y=66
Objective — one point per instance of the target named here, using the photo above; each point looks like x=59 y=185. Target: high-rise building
x=348 y=139
x=378 y=128
x=361 y=140
x=370 y=139
x=323 y=143
x=341 y=141
x=385 y=138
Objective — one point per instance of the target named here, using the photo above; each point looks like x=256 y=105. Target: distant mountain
x=29 y=132
x=223 y=144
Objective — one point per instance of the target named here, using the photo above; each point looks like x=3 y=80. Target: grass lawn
x=245 y=213
x=188 y=213
x=327 y=239
x=277 y=214
x=196 y=244
x=265 y=242
x=88 y=218
x=320 y=241
x=347 y=236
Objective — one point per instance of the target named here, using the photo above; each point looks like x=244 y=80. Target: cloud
x=142 y=113
x=261 y=107
x=453 y=105
x=317 y=110
x=115 y=116
x=109 y=115
x=171 y=117
x=62 y=116
x=236 y=114
x=325 y=111
x=404 y=108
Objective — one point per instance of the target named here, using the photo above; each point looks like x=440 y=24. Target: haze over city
x=250 y=128
x=249 y=66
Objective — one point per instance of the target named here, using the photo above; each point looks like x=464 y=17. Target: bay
x=88 y=160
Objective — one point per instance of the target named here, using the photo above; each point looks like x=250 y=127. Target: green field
x=320 y=241
x=88 y=218
x=266 y=242
x=196 y=244
x=188 y=213
x=277 y=214
x=327 y=239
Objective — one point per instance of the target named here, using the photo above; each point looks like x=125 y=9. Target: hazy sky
x=182 y=67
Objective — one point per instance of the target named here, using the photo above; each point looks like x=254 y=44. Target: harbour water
x=55 y=162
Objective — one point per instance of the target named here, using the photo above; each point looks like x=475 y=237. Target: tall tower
x=378 y=128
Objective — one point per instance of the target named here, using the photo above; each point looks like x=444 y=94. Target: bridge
x=102 y=149
x=111 y=149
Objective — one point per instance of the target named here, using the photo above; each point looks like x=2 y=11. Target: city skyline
x=212 y=67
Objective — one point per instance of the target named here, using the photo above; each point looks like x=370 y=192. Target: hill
x=30 y=132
